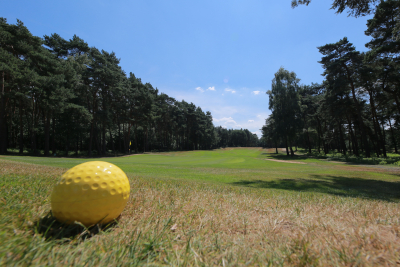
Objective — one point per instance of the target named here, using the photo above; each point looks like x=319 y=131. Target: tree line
x=356 y=108
x=62 y=95
x=236 y=138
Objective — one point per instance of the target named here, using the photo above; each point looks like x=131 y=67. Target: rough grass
x=250 y=212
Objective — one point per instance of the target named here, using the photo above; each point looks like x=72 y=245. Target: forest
x=355 y=110
x=62 y=96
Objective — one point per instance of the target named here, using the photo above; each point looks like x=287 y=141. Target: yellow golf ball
x=90 y=193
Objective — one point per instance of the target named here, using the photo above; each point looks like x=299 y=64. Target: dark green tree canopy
x=59 y=94
x=382 y=28
x=284 y=105
x=356 y=7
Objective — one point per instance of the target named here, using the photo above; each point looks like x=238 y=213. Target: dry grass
x=189 y=223
x=287 y=228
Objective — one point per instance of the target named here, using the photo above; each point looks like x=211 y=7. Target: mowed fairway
x=227 y=207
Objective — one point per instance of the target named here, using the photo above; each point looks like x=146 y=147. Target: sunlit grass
x=226 y=207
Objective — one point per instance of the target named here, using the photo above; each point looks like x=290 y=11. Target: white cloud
x=200 y=89
x=254 y=125
x=225 y=120
x=211 y=88
x=230 y=90
x=223 y=111
x=240 y=112
x=256 y=92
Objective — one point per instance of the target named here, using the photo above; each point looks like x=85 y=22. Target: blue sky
x=220 y=55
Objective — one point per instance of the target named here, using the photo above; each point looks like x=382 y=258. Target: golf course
x=225 y=207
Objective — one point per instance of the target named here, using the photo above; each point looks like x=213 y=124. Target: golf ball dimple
x=90 y=193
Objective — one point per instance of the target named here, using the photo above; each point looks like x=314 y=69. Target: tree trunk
x=384 y=140
x=111 y=141
x=67 y=145
x=342 y=143
x=353 y=137
x=393 y=138
x=319 y=131
x=376 y=138
x=375 y=143
x=53 y=142
x=144 y=140
x=104 y=144
x=91 y=139
x=350 y=143
x=3 y=123
x=119 y=138
x=13 y=142
x=124 y=139
x=47 y=135
x=80 y=142
x=33 y=142
x=326 y=147
x=286 y=144
x=77 y=145
x=21 y=130
x=309 y=142
x=97 y=141
x=135 y=139
x=291 y=149
x=33 y=130
x=360 y=120
x=128 y=138
x=378 y=133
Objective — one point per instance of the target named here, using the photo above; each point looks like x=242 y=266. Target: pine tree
x=341 y=62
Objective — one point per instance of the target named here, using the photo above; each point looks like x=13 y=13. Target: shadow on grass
x=51 y=229
x=348 y=159
x=334 y=185
x=285 y=157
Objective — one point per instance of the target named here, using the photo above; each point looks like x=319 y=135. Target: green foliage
x=60 y=94
x=355 y=110
x=355 y=7
x=235 y=138
x=285 y=106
